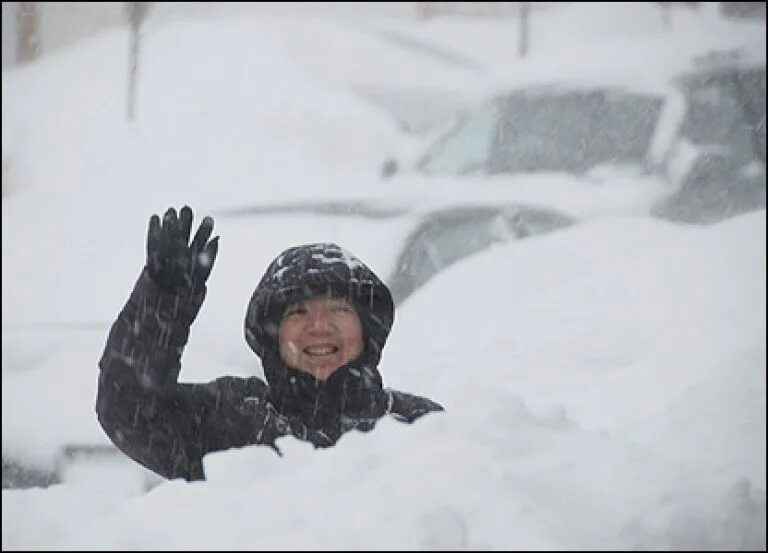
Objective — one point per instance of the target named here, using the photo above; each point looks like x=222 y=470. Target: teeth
x=320 y=350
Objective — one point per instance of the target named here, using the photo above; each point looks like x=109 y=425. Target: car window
x=16 y=474
x=725 y=124
x=440 y=242
x=465 y=148
x=751 y=92
x=575 y=131
x=531 y=222
x=726 y=112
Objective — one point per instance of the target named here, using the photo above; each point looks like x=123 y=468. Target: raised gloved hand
x=173 y=263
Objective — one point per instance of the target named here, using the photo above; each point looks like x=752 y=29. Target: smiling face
x=319 y=335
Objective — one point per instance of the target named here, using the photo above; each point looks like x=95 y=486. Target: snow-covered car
x=548 y=129
x=444 y=237
x=552 y=127
x=702 y=137
x=436 y=236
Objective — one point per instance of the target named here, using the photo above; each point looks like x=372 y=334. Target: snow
x=604 y=384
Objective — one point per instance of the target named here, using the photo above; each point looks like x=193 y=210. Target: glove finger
x=169 y=222
x=156 y=245
x=153 y=232
x=202 y=234
x=154 y=229
x=185 y=222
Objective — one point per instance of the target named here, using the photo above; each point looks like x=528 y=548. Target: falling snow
x=604 y=386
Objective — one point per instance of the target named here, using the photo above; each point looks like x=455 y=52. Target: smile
x=320 y=350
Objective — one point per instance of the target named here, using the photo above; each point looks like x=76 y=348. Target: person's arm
x=142 y=408
x=140 y=405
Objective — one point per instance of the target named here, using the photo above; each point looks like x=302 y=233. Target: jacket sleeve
x=408 y=407
x=166 y=426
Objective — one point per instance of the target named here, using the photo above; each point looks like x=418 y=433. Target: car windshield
x=466 y=147
x=549 y=131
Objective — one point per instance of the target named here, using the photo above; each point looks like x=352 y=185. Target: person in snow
x=318 y=320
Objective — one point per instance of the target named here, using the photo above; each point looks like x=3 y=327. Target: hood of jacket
x=307 y=271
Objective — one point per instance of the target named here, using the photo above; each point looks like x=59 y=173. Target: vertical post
x=424 y=10
x=525 y=16
x=137 y=12
x=29 y=35
x=666 y=14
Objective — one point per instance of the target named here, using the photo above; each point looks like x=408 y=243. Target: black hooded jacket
x=169 y=426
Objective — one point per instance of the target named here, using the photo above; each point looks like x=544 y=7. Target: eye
x=295 y=309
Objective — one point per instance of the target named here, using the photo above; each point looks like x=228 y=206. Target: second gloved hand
x=175 y=264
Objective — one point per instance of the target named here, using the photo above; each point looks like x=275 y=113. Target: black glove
x=172 y=262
